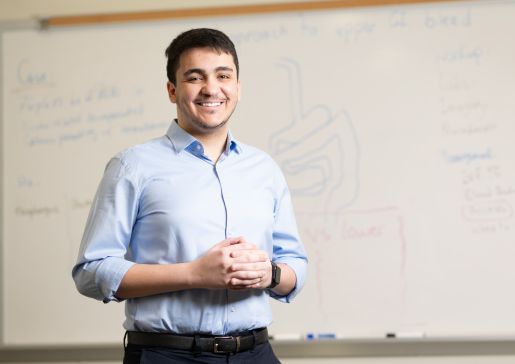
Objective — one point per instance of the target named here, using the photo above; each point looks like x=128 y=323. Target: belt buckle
x=216 y=343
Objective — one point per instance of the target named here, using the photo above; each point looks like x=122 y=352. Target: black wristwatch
x=276 y=275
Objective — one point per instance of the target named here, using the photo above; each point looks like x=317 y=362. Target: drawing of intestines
x=317 y=150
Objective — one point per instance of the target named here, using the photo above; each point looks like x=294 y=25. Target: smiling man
x=195 y=230
x=206 y=94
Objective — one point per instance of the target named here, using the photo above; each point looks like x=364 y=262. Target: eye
x=224 y=76
x=194 y=78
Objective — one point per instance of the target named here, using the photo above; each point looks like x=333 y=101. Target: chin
x=212 y=124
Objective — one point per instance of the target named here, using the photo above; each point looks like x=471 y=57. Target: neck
x=213 y=146
x=213 y=140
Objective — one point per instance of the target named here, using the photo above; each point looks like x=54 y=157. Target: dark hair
x=197 y=38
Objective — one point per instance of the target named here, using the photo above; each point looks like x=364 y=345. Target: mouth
x=210 y=103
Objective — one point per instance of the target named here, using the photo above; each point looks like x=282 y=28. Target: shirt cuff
x=109 y=276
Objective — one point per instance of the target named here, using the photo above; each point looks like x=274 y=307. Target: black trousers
x=135 y=354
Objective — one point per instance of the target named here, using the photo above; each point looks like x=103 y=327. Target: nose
x=211 y=86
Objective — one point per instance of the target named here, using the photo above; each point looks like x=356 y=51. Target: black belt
x=214 y=344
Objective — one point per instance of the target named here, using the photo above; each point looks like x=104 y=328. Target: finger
x=263 y=283
x=241 y=246
x=259 y=285
x=248 y=266
x=251 y=254
x=229 y=242
x=236 y=240
x=241 y=239
x=226 y=243
x=235 y=282
x=248 y=274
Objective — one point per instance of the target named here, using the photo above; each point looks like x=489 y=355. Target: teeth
x=211 y=104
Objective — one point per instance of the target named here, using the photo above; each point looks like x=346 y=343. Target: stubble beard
x=208 y=128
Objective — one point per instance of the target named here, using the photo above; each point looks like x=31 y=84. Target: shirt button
x=233 y=309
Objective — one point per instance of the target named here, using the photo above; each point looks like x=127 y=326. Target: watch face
x=276 y=275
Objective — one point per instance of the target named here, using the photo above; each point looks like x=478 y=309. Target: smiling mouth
x=210 y=104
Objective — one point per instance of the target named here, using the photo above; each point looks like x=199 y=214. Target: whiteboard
x=393 y=125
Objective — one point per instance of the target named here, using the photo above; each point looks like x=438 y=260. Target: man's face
x=206 y=91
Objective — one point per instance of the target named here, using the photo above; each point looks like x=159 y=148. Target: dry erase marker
x=321 y=336
x=405 y=335
x=327 y=335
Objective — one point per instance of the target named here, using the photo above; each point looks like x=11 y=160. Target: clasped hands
x=235 y=264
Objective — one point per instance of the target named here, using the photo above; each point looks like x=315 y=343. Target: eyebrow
x=203 y=72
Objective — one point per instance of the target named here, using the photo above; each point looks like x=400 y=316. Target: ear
x=172 y=95
x=239 y=90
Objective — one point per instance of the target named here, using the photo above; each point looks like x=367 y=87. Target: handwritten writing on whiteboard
x=99 y=112
x=82 y=204
x=487 y=198
x=354 y=31
x=459 y=17
x=488 y=210
x=259 y=35
x=31 y=76
x=372 y=237
x=316 y=149
x=36 y=211
x=479 y=176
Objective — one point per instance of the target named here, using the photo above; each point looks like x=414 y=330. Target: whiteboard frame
x=5 y=27
x=457 y=347
x=216 y=11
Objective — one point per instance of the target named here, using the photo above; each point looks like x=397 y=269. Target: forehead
x=205 y=58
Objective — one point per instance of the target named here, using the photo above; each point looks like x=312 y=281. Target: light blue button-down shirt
x=165 y=202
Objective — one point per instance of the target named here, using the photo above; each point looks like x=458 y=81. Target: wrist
x=276 y=276
x=192 y=278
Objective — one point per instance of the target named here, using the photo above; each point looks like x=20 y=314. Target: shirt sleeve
x=288 y=247
x=102 y=262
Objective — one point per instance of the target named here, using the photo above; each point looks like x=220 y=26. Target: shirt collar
x=181 y=139
x=232 y=144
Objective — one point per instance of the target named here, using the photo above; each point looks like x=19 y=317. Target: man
x=194 y=229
